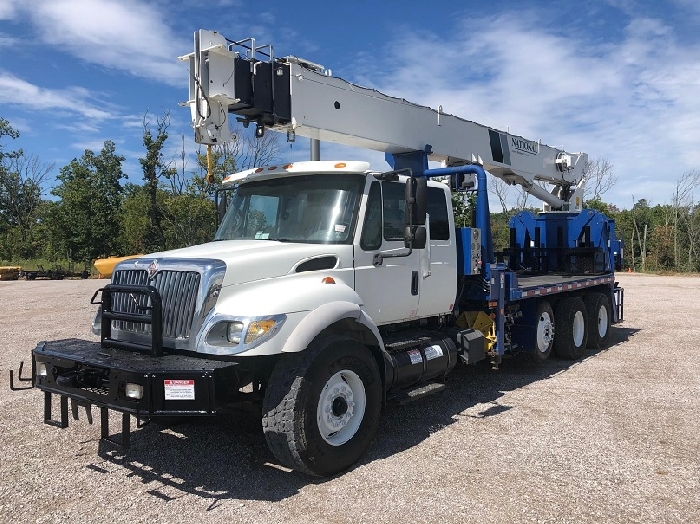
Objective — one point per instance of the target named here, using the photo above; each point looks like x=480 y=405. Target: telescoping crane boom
x=299 y=97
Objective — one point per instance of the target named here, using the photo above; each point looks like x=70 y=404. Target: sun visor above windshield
x=295 y=168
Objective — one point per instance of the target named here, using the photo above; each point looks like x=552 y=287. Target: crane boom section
x=301 y=98
x=334 y=110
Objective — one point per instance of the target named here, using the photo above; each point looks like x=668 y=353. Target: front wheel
x=322 y=406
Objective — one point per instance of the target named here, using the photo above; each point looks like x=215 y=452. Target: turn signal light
x=328 y=280
x=257 y=329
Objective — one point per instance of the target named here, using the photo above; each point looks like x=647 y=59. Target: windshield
x=308 y=208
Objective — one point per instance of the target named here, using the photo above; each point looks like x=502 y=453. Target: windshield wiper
x=269 y=238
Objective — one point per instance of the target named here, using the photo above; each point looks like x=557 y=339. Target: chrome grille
x=178 y=291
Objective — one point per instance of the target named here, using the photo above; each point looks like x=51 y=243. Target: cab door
x=389 y=291
x=438 y=286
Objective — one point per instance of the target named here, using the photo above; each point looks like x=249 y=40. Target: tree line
x=94 y=210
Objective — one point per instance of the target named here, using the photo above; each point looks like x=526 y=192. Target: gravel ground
x=612 y=438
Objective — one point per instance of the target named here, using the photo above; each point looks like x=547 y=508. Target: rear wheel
x=544 y=332
x=322 y=406
x=598 y=309
x=572 y=328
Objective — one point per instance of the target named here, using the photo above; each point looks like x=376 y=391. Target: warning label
x=179 y=389
x=433 y=352
x=415 y=356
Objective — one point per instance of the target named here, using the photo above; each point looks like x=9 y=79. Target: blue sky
x=618 y=79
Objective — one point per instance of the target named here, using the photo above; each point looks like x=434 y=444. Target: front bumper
x=172 y=384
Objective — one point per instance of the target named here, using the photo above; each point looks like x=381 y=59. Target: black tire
x=291 y=421
x=544 y=331
x=599 y=319
x=572 y=328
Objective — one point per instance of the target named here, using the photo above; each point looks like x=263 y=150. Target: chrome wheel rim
x=545 y=332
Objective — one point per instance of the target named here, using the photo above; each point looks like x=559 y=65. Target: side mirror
x=416 y=204
x=416 y=201
x=415 y=237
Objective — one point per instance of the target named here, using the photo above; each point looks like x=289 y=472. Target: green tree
x=133 y=222
x=6 y=227
x=21 y=180
x=599 y=205
x=463 y=205
x=155 y=168
x=6 y=130
x=244 y=151
x=86 y=219
x=190 y=220
x=661 y=253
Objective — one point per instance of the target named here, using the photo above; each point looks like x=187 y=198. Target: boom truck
x=329 y=288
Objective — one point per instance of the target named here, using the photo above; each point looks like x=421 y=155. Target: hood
x=249 y=260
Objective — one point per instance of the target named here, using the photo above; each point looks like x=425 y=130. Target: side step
x=406 y=396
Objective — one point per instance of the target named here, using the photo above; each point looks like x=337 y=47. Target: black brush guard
x=91 y=373
x=152 y=315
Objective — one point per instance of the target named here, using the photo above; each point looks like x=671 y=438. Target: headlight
x=132 y=390
x=240 y=334
x=41 y=369
x=233 y=333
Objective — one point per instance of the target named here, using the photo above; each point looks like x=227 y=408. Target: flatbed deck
x=526 y=286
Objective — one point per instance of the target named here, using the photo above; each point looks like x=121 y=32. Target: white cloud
x=7 y=9
x=119 y=34
x=692 y=6
x=73 y=100
x=635 y=101
x=92 y=145
x=6 y=40
x=133 y=122
x=22 y=125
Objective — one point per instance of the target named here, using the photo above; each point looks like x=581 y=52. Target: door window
x=394 y=210
x=372 y=230
x=437 y=210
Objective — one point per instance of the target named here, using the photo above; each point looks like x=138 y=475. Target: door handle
x=414 y=283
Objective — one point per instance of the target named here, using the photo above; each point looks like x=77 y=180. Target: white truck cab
x=296 y=252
